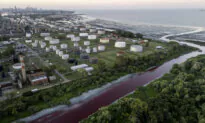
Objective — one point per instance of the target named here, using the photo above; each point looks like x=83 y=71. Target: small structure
x=120 y=44
x=65 y=56
x=44 y=34
x=92 y=37
x=101 y=48
x=64 y=46
x=104 y=40
x=86 y=43
x=74 y=68
x=37 y=77
x=136 y=48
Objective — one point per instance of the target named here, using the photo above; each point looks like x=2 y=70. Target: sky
x=104 y=4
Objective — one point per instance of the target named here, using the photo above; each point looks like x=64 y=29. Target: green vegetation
x=30 y=103
x=176 y=97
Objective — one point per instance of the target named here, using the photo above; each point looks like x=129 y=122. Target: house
x=84 y=56
x=47 y=49
x=34 y=44
x=104 y=40
x=121 y=53
x=76 y=44
x=95 y=50
x=136 y=48
x=93 y=60
x=60 y=53
x=120 y=44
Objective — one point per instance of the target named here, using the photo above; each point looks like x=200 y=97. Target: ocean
x=189 y=17
x=152 y=23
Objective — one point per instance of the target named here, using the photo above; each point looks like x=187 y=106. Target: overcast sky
x=104 y=4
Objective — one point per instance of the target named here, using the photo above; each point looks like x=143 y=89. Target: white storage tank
x=44 y=34
x=92 y=37
x=28 y=41
x=104 y=40
x=95 y=50
x=75 y=44
x=83 y=34
x=101 y=48
x=86 y=43
x=28 y=35
x=57 y=52
x=43 y=45
x=34 y=44
x=87 y=50
x=75 y=39
x=47 y=49
x=101 y=32
x=60 y=53
x=64 y=46
x=136 y=48
x=54 y=48
x=70 y=36
x=54 y=41
x=120 y=44
x=65 y=56
x=36 y=41
x=92 y=30
x=48 y=38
